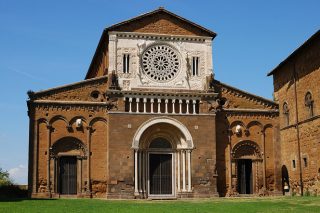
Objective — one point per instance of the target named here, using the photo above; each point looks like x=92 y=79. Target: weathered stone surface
x=293 y=79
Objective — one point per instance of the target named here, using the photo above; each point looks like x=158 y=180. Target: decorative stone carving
x=160 y=63
x=114 y=80
x=211 y=82
x=213 y=105
x=126 y=84
x=112 y=103
x=174 y=76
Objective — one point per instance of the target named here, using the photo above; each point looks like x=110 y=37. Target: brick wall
x=306 y=64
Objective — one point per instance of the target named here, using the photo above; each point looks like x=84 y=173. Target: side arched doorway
x=162 y=150
x=67 y=156
x=247 y=160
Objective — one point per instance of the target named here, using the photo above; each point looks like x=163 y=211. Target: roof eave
x=295 y=52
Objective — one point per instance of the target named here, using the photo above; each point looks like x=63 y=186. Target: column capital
x=144 y=100
x=166 y=100
x=130 y=99
x=151 y=100
x=137 y=100
x=194 y=101
x=49 y=127
x=173 y=101
x=187 y=101
x=89 y=128
x=180 y=101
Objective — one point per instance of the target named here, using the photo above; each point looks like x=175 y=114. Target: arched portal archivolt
x=246 y=149
x=160 y=143
x=186 y=142
x=69 y=145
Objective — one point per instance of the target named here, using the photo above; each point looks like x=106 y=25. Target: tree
x=4 y=178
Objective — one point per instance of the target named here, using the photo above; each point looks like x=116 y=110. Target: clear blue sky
x=45 y=44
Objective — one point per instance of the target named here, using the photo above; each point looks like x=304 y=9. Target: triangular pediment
x=161 y=21
x=239 y=99
x=79 y=91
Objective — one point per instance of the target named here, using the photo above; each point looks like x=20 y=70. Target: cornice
x=251 y=112
x=161 y=94
x=301 y=122
x=162 y=37
x=58 y=102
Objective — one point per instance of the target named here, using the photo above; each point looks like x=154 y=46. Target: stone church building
x=150 y=121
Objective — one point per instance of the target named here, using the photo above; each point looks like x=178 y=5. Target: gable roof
x=297 y=51
x=104 y=36
x=247 y=95
x=164 y=11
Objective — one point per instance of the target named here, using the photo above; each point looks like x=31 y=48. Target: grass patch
x=246 y=205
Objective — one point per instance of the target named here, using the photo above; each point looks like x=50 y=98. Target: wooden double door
x=68 y=175
x=160 y=174
x=245 y=179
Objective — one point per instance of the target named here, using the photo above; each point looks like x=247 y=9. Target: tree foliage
x=4 y=178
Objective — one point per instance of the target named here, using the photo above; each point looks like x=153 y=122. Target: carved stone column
x=173 y=106
x=180 y=106
x=166 y=101
x=136 y=191
x=179 y=171
x=183 y=170
x=144 y=105
x=137 y=101
x=187 y=103
x=194 y=106
x=130 y=104
x=189 y=169
x=159 y=105
x=140 y=171
x=151 y=105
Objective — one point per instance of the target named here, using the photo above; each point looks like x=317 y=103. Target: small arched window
x=309 y=104
x=286 y=113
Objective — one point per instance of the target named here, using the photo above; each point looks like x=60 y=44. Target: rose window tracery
x=160 y=63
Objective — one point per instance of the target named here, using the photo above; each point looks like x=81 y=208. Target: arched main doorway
x=162 y=159
x=247 y=158
x=160 y=167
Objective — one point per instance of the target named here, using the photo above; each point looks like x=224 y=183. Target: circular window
x=95 y=94
x=160 y=63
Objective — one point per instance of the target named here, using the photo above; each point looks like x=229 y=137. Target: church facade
x=150 y=121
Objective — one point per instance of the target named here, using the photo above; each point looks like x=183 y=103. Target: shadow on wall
x=222 y=146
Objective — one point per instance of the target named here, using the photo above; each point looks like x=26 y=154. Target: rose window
x=160 y=63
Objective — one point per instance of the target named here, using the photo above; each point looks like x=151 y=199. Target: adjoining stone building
x=150 y=121
x=296 y=89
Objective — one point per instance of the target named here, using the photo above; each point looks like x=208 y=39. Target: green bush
x=12 y=191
